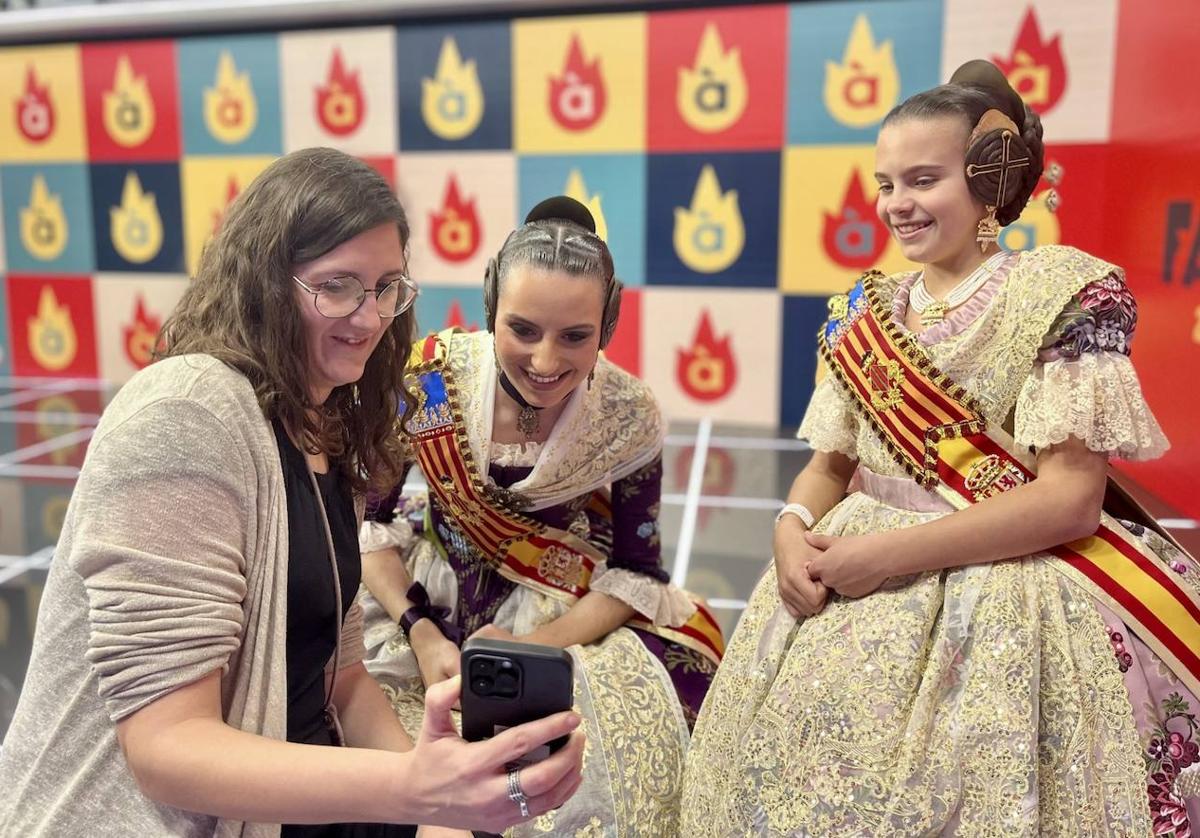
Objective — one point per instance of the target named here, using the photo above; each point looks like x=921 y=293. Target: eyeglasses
x=342 y=295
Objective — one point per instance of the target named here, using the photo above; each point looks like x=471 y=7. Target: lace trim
x=373 y=536
x=659 y=602
x=1096 y=398
x=513 y=454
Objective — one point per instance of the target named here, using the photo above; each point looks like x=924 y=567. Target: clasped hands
x=810 y=565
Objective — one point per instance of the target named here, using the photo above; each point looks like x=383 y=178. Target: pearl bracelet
x=800 y=511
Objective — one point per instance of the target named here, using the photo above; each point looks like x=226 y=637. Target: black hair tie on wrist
x=423 y=609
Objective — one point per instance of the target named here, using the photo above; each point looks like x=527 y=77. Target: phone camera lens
x=483 y=686
x=506 y=684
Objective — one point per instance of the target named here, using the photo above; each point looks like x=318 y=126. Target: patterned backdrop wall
x=726 y=153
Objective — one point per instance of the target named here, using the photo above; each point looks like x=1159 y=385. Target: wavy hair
x=243 y=308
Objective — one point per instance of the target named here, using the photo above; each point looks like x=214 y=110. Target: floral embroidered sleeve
x=635 y=574
x=1084 y=384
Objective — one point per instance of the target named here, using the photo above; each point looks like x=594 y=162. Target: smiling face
x=338 y=348
x=548 y=331
x=923 y=196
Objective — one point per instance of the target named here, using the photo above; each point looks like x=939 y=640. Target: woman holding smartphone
x=197 y=665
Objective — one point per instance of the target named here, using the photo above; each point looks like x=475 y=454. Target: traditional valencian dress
x=514 y=535
x=1054 y=694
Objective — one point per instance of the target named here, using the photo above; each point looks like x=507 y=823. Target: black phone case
x=547 y=686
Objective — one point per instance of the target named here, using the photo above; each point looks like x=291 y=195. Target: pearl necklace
x=934 y=311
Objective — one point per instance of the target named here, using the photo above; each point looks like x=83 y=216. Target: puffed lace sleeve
x=830 y=423
x=1084 y=384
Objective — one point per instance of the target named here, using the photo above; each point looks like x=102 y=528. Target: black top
x=311 y=632
x=311 y=629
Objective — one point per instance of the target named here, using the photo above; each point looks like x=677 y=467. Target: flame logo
x=35 y=109
x=231 y=193
x=578 y=97
x=863 y=88
x=855 y=237
x=230 y=107
x=137 y=232
x=709 y=236
x=454 y=231
x=128 y=107
x=577 y=189
x=452 y=102
x=141 y=335
x=54 y=515
x=50 y=424
x=712 y=95
x=455 y=317
x=1036 y=69
x=52 y=340
x=43 y=223
x=340 y=103
x=707 y=371
x=1036 y=226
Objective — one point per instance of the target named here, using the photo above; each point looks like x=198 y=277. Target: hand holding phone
x=507 y=683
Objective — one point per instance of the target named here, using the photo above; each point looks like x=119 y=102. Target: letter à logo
x=1181 y=248
x=454 y=231
x=863 y=88
x=230 y=106
x=706 y=371
x=710 y=234
x=52 y=340
x=43 y=223
x=128 y=107
x=341 y=106
x=1036 y=68
x=854 y=237
x=578 y=97
x=140 y=335
x=452 y=101
x=137 y=231
x=35 y=109
x=712 y=94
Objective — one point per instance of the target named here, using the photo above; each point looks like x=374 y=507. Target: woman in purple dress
x=544 y=467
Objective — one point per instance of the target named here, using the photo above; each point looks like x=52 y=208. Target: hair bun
x=564 y=208
x=987 y=75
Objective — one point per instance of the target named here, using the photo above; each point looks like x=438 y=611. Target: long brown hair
x=242 y=308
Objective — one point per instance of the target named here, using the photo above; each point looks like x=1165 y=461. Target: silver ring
x=517 y=794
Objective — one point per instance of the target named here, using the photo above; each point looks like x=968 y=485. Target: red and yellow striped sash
x=553 y=561
x=937 y=432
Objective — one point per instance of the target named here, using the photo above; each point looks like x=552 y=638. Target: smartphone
x=506 y=684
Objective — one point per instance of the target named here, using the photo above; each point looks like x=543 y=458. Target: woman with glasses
x=198 y=658
x=544 y=467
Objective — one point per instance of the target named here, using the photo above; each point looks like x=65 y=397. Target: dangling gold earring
x=988 y=231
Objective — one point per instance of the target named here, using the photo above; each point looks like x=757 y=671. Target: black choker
x=527 y=419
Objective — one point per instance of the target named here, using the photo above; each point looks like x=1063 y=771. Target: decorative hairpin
x=1053 y=176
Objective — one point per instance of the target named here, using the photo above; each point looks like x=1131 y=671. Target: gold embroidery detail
x=560 y=567
x=989 y=476
x=886 y=378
